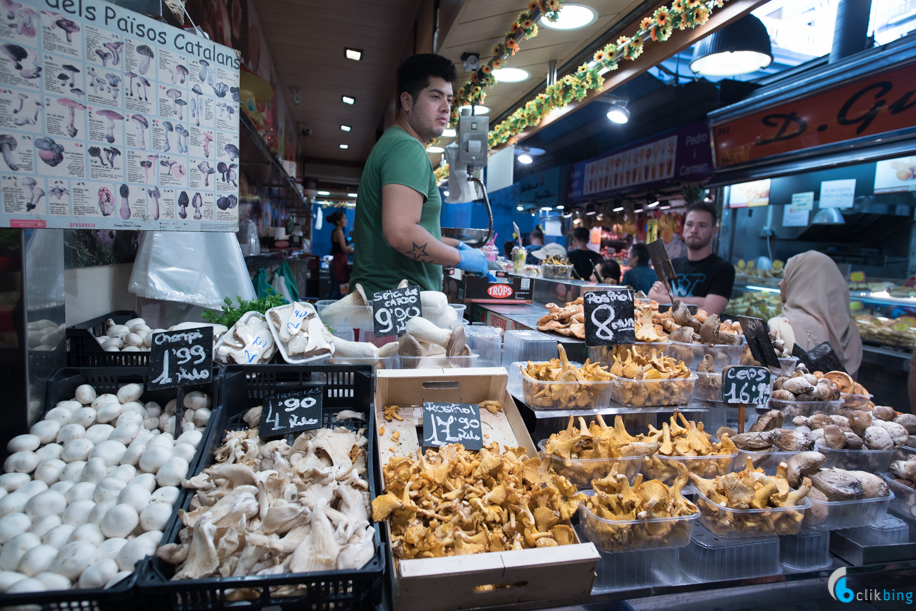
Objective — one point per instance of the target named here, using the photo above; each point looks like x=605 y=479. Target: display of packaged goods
x=836 y=515
x=904 y=502
x=888 y=531
x=722 y=355
x=653 y=393
x=581 y=471
x=560 y=384
x=898 y=332
x=557 y=272
x=713 y=558
x=806 y=551
x=871 y=461
x=686 y=447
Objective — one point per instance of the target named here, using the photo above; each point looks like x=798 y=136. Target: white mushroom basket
x=248 y=342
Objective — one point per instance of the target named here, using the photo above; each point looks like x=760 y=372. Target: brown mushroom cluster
x=650 y=380
x=568 y=320
x=880 y=429
x=904 y=473
x=266 y=508
x=727 y=499
x=804 y=386
x=623 y=518
x=708 y=386
x=571 y=387
x=687 y=445
x=453 y=502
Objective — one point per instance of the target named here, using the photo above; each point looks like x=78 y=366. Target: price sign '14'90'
x=609 y=317
x=746 y=385
x=445 y=423
x=180 y=358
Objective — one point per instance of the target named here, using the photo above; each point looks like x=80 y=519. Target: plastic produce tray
x=565 y=395
x=85 y=350
x=581 y=472
x=768 y=461
x=904 y=502
x=665 y=468
x=791 y=409
x=243 y=387
x=807 y=551
x=525 y=345
x=652 y=393
x=889 y=531
x=636 y=535
x=723 y=355
x=836 y=515
x=708 y=386
x=729 y=523
x=711 y=558
x=872 y=461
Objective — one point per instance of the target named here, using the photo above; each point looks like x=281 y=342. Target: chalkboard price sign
x=291 y=412
x=822 y=358
x=758 y=341
x=181 y=358
x=609 y=317
x=746 y=385
x=445 y=423
x=392 y=309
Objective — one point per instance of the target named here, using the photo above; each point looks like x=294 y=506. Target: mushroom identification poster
x=112 y=120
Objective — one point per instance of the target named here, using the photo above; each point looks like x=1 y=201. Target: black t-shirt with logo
x=584 y=262
x=709 y=276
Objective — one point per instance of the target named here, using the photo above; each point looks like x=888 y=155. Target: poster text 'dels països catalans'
x=111 y=120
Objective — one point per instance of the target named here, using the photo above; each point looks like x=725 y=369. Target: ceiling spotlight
x=572 y=17
x=618 y=209
x=449 y=133
x=345 y=128
x=351 y=194
x=354 y=54
x=546 y=208
x=525 y=158
x=510 y=75
x=560 y=207
x=519 y=208
x=435 y=149
x=445 y=193
x=652 y=205
x=590 y=213
x=738 y=48
x=347 y=99
x=324 y=193
x=479 y=109
x=344 y=146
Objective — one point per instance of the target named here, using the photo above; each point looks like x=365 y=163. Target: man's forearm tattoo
x=419 y=253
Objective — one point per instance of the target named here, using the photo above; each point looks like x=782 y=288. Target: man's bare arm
x=714 y=304
x=402 y=208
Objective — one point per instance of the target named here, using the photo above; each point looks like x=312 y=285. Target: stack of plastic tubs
x=486 y=342
x=713 y=558
x=519 y=347
x=889 y=531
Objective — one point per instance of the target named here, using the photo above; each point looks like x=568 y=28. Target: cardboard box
x=439 y=584
x=467 y=288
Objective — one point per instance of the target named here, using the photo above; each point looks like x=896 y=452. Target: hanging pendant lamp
x=738 y=48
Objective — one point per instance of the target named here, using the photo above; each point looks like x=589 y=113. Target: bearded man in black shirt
x=703 y=279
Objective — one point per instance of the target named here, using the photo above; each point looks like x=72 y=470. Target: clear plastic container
x=904 y=502
x=730 y=523
x=836 y=515
x=903 y=453
x=708 y=386
x=445 y=318
x=653 y=393
x=768 y=461
x=540 y=395
x=713 y=558
x=439 y=361
x=807 y=551
x=872 y=461
x=487 y=342
x=389 y=362
x=889 y=531
x=791 y=409
x=294 y=360
x=523 y=346
x=603 y=355
x=581 y=472
x=632 y=535
x=557 y=272
x=723 y=355
x=344 y=317
x=855 y=401
x=637 y=569
x=665 y=468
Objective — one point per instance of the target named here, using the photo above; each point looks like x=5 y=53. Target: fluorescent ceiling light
x=345 y=146
x=548 y=208
x=347 y=99
x=354 y=54
x=435 y=149
x=560 y=207
x=324 y=193
x=572 y=17
x=652 y=205
x=478 y=109
x=765 y=289
x=510 y=75
x=519 y=208
x=618 y=209
x=345 y=128
x=525 y=158
x=445 y=193
x=351 y=194
x=449 y=133
x=618 y=114
x=590 y=213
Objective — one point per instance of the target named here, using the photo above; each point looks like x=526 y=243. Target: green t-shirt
x=397 y=159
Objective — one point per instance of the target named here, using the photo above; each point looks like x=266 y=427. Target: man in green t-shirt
x=397 y=231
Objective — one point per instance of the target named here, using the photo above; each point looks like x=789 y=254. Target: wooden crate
x=439 y=584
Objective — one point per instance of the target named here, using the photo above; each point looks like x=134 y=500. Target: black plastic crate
x=85 y=350
x=241 y=388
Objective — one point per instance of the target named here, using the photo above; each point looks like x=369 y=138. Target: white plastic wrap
x=197 y=268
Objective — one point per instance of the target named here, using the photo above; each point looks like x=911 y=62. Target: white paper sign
x=838 y=193
x=796 y=214
x=112 y=120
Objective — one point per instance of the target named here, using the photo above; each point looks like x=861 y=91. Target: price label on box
x=445 y=423
x=746 y=385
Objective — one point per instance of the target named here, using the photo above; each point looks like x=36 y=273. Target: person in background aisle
x=609 y=272
x=703 y=278
x=340 y=250
x=508 y=245
x=582 y=259
x=816 y=309
x=398 y=208
x=536 y=237
x=640 y=276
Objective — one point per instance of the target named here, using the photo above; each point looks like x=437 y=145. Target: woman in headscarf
x=816 y=309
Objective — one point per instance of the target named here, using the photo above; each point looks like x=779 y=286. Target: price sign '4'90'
x=445 y=423
x=181 y=358
x=609 y=317
x=746 y=385
x=392 y=309
x=290 y=412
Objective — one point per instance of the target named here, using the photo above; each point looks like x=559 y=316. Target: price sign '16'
x=746 y=385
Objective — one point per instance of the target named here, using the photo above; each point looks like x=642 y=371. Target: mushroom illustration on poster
x=111 y=120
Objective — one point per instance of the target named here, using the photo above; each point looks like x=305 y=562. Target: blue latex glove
x=473 y=260
x=463 y=246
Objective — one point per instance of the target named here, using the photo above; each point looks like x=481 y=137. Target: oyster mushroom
x=73 y=70
x=112 y=154
x=206 y=170
x=124 y=211
x=183 y=204
x=204 y=64
x=103 y=55
x=106 y=201
x=49 y=151
x=232 y=151
x=168 y=128
x=182 y=134
x=142 y=82
x=15 y=53
x=130 y=85
x=72 y=106
x=111 y=116
x=146 y=54
x=208 y=138
x=220 y=89
x=154 y=196
x=69 y=27
x=95 y=151
x=7 y=146
x=142 y=125
x=180 y=104
x=174 y=94
x=197 y=202
x=115 y=48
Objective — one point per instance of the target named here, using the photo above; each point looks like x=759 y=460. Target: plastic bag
x=200 y=268
x=460 y=190
x=292 y=286
x=279 y=284
x=262 y=284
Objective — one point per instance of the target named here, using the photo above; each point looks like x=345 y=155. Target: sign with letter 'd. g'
x=746 y=385
x=609 y=317
x=445 y=423
x=180 y=358
x=392 y=309
x=290 y=412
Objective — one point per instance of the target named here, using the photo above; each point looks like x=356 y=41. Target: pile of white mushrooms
x=88 y=491
x=268 y=508
x=136 y=336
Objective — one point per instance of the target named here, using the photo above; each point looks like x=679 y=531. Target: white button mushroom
x=147 y=480
x=73 y=558
x=74 y=470
x=84 y=417
x=201 y=417
x=13 y=503
x=58 y=537
x=155 y=516
x=167 y=424
x=8 y=578
x=110 y=548
x=125 y=433
x=109 y=412
x=50 y=471
x=130 y=392
x=21 y=462
x=94 y=471
x=60 y=415
x=103 y=400
x=110 y=451
x=133 y=322
x=62 y=486
x=118 y=331
x=120 y=521
x=88 y=532
x=70 y=404
x=70 y=431
x=167 y=494
x=37 y=560
x=45 y=525
x=77 y=450
x=13 y=525
x=154 y=457
x=13 y=481
x=77 y=514
x=153 y=409
x=49 y=452
x=136 y=496
x=133 y=340
x=185 y=451
x=133 y=406
x=134 y=551
x=98 y=574
x=46 y=430
x=193 y=438
x=187 y=427
x=151 y=424
x=85 y=394
x=32 y=488
x=98 y=514
x=47 y=503
x=154 y=535
x=171 y=406
x=53 y=581
x=23 y=443
x=139 y=328
x=125 y=473
x=14 y=549
x=196 y=400
x=118 y=578
x=98 y=433
x=29 y=584
x=165 y=440
x=130 y=417
x=172 y=471
x=80 y=492
x=108 y=488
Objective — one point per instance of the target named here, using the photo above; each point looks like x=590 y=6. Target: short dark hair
x=508 y=245
x=609 y=270
x=581 y=234
x=642 y=253
x=536 y=233
x=703 y=207
x=414 y=73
